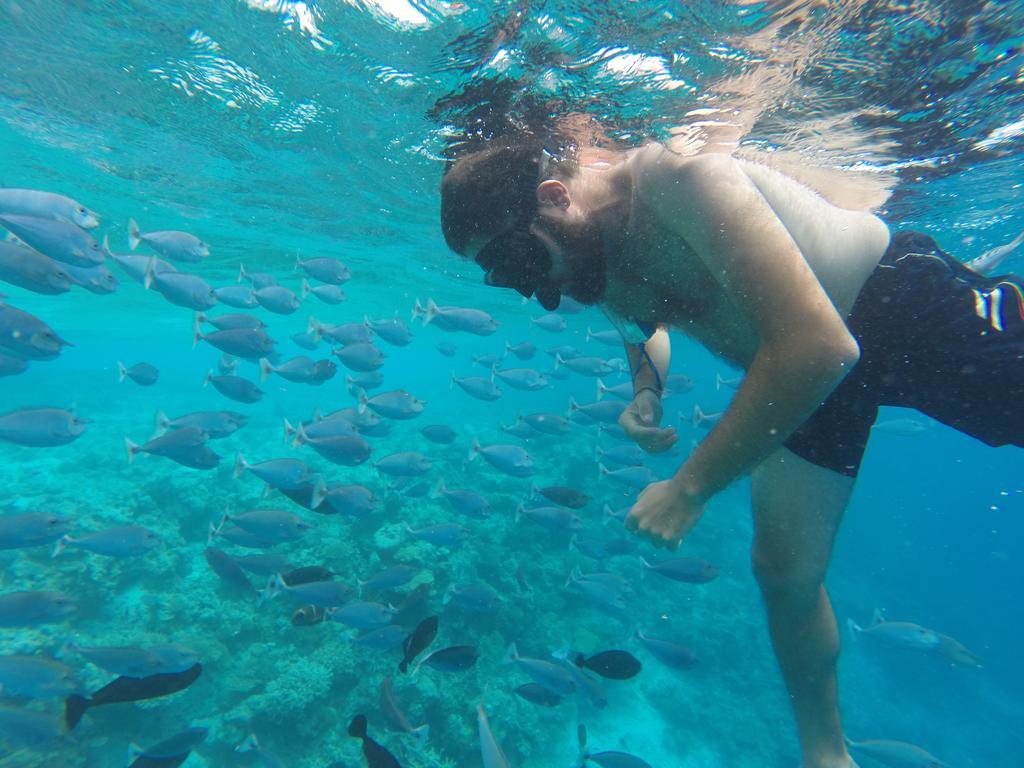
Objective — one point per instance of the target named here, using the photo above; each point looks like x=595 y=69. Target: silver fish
x=46 y=205
x=36 y=677
x=896 y=754
x=27 y=337
x=171 y=244
x=60 y=240
x=26 y=609
x=31 y=529
x=33 y=271
x=119 y=541
x=474 y=321
x=41 y=427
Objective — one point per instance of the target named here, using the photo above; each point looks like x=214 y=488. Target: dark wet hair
x=489 y=190
x=493 y=156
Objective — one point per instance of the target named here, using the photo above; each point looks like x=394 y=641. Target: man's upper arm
x=714 y=205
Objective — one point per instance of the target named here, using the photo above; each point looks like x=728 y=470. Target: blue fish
x=345 y=334
x=31 y=529
x=441 y=434
x=216 y=424
x=186 y=446
x=237 y=296
x=60 y=240
x=354 y=500
x=46 y=205
x=143 y=374
x=27 y=337
x=392 y=330
x=277 y=473
x=171 y=244
x=119 y=541
x=325 y=269
x=41 y=427
x=442 y=535
x=182 y=289
x=477 y=386
x=34 y=607
x=474 y=321
x=248 y=343
x=404 y=464
x=234 y=387
x=397 y=404
x=277 y=299
x=33 y=271
x=360 y=357
x=36 y=677
x=465 y=502
x=97 y=279
x=510 y=459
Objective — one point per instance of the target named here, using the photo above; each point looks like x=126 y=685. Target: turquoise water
x=276 y=129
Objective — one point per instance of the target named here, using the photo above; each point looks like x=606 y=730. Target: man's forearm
x=649 y=362
x=779 y=392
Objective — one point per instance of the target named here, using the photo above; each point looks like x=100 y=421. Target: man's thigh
x=797 y=510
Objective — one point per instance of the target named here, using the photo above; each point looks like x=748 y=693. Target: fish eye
x=81 y=209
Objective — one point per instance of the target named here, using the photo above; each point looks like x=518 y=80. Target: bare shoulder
x=672 y=185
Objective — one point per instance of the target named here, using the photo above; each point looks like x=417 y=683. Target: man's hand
x=664 y=514
x=641 y=421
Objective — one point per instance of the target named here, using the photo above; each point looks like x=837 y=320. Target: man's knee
x=786 y=575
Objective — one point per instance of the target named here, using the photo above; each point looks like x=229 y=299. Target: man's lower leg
x=806 y=641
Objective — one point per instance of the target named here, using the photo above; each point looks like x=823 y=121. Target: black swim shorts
x=934 y=336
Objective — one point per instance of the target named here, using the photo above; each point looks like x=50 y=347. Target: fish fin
x=134 y=752
x=134 y=236
x=698 y=416
x=432 y=311
x=131 y=448
x=208 y=378
x=74 y=708
x=60 y=546
x=241 y=272
x=853 y=628
x=249 y=743
x=289 y=430
x=162 y=423
x=265 y=369
x=211 y=534
x=319 y=493
x=474 y=451
x=306 y=289
x=877 y=617
x=147 y=281
x=438 y=490
x=511 y=654
x=357 y=728
x=419 y=737
x=519 y=512
x=122 y=372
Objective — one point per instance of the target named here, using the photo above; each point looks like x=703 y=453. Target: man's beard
x=587 y=265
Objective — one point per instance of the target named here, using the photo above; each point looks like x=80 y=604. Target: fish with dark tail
x=376 y=755
x=610 y=759
x=125 y=689
x=418 y=641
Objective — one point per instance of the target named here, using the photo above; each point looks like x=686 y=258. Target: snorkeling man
x=830 y=314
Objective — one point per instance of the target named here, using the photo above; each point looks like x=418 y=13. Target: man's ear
x=553 y=192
